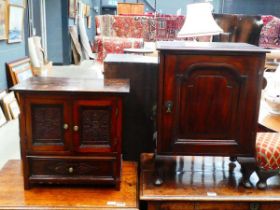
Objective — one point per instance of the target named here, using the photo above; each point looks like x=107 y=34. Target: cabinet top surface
x=209 y=46
x=53 y=84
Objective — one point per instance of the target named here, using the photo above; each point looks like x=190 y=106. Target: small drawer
x=72 y=168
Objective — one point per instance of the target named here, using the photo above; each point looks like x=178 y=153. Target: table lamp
x=199 y=23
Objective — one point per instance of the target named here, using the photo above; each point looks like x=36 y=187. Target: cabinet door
x=97 y=125
x=202 y=107
x=47 y=124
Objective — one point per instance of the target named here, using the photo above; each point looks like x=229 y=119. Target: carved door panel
x=202 y=108
x=48 y=122
x=96 y=125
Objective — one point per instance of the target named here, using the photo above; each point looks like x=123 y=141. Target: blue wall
x=249 y=7
x=8 y=53
x=54 y=30
x=253 y=7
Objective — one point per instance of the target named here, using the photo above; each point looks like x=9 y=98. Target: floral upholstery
x=270 y=33
x=268 y=150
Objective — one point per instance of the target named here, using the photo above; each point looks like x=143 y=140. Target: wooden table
x=211 y=183
x=13 y=195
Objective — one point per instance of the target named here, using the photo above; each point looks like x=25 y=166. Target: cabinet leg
x=263 y=176
x=158 y=173
x=118 y=185
x=248 y=166
x=232 y=158
x=27 y=185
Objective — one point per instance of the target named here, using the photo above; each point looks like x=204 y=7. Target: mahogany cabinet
x=71 y=130
x=209 y=95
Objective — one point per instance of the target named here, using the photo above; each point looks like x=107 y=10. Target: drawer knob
x=71 y=170
x=76 y=128
x=65 y=126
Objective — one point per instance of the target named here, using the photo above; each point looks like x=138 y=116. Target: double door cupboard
x=71 y=130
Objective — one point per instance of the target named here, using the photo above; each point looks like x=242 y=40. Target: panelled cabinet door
x=203 y=105
x=48 y=124
x=97 y=125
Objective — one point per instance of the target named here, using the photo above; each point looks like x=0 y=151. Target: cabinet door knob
x=71 y=170
x=76 y=128
x=65 y=126
x=168 y=106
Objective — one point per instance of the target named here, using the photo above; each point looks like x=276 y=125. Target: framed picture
x=72 y=4
x=3 y=19
x=3 y=119
x=6 y=101
x=14 y=109
x=87 y=13
x=20 y=3
x=19 y=70
x=16 y=15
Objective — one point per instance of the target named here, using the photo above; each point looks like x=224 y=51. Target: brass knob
x=76 y=128
x=169 y=106
x=65 y=126
x=71 y=170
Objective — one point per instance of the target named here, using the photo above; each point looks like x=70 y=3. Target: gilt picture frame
x=3 y=19
x=20 y=70
x=16 y=18
x=72 y=8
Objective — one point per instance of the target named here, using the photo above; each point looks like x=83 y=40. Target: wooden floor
x=13 y=195
x=206 y=179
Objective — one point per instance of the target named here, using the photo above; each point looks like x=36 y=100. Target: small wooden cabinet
x=209 y=95
x=71 y=130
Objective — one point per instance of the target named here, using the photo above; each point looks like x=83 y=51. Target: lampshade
x=199 y=21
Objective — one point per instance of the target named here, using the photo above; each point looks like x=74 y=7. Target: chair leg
x=263 y=176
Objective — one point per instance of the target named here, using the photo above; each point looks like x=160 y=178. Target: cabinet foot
x=248 y=166
x=158 y=173
x=263 y=176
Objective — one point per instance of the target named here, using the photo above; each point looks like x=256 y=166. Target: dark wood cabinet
x=209 y=96
x=140 y=103
x=71 y=130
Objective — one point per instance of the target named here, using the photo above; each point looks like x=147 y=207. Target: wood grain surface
x=13 y=195
x=204 y=179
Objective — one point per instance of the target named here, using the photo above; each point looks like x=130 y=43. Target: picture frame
x=6 y=101
x=21 y=3
x=3 y=119
x=72 y=8
x=14 y=109
x=16 y=18
x=19 y=70
x=3 y=19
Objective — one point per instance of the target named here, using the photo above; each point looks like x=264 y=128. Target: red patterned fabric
x=150 y=28
x=105 y=45
x=268 y=150
x=116 y=32
x=270 y=33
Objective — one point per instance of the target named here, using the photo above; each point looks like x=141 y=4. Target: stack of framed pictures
x=12 y=20
x=3 y=118
x=10 y=107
